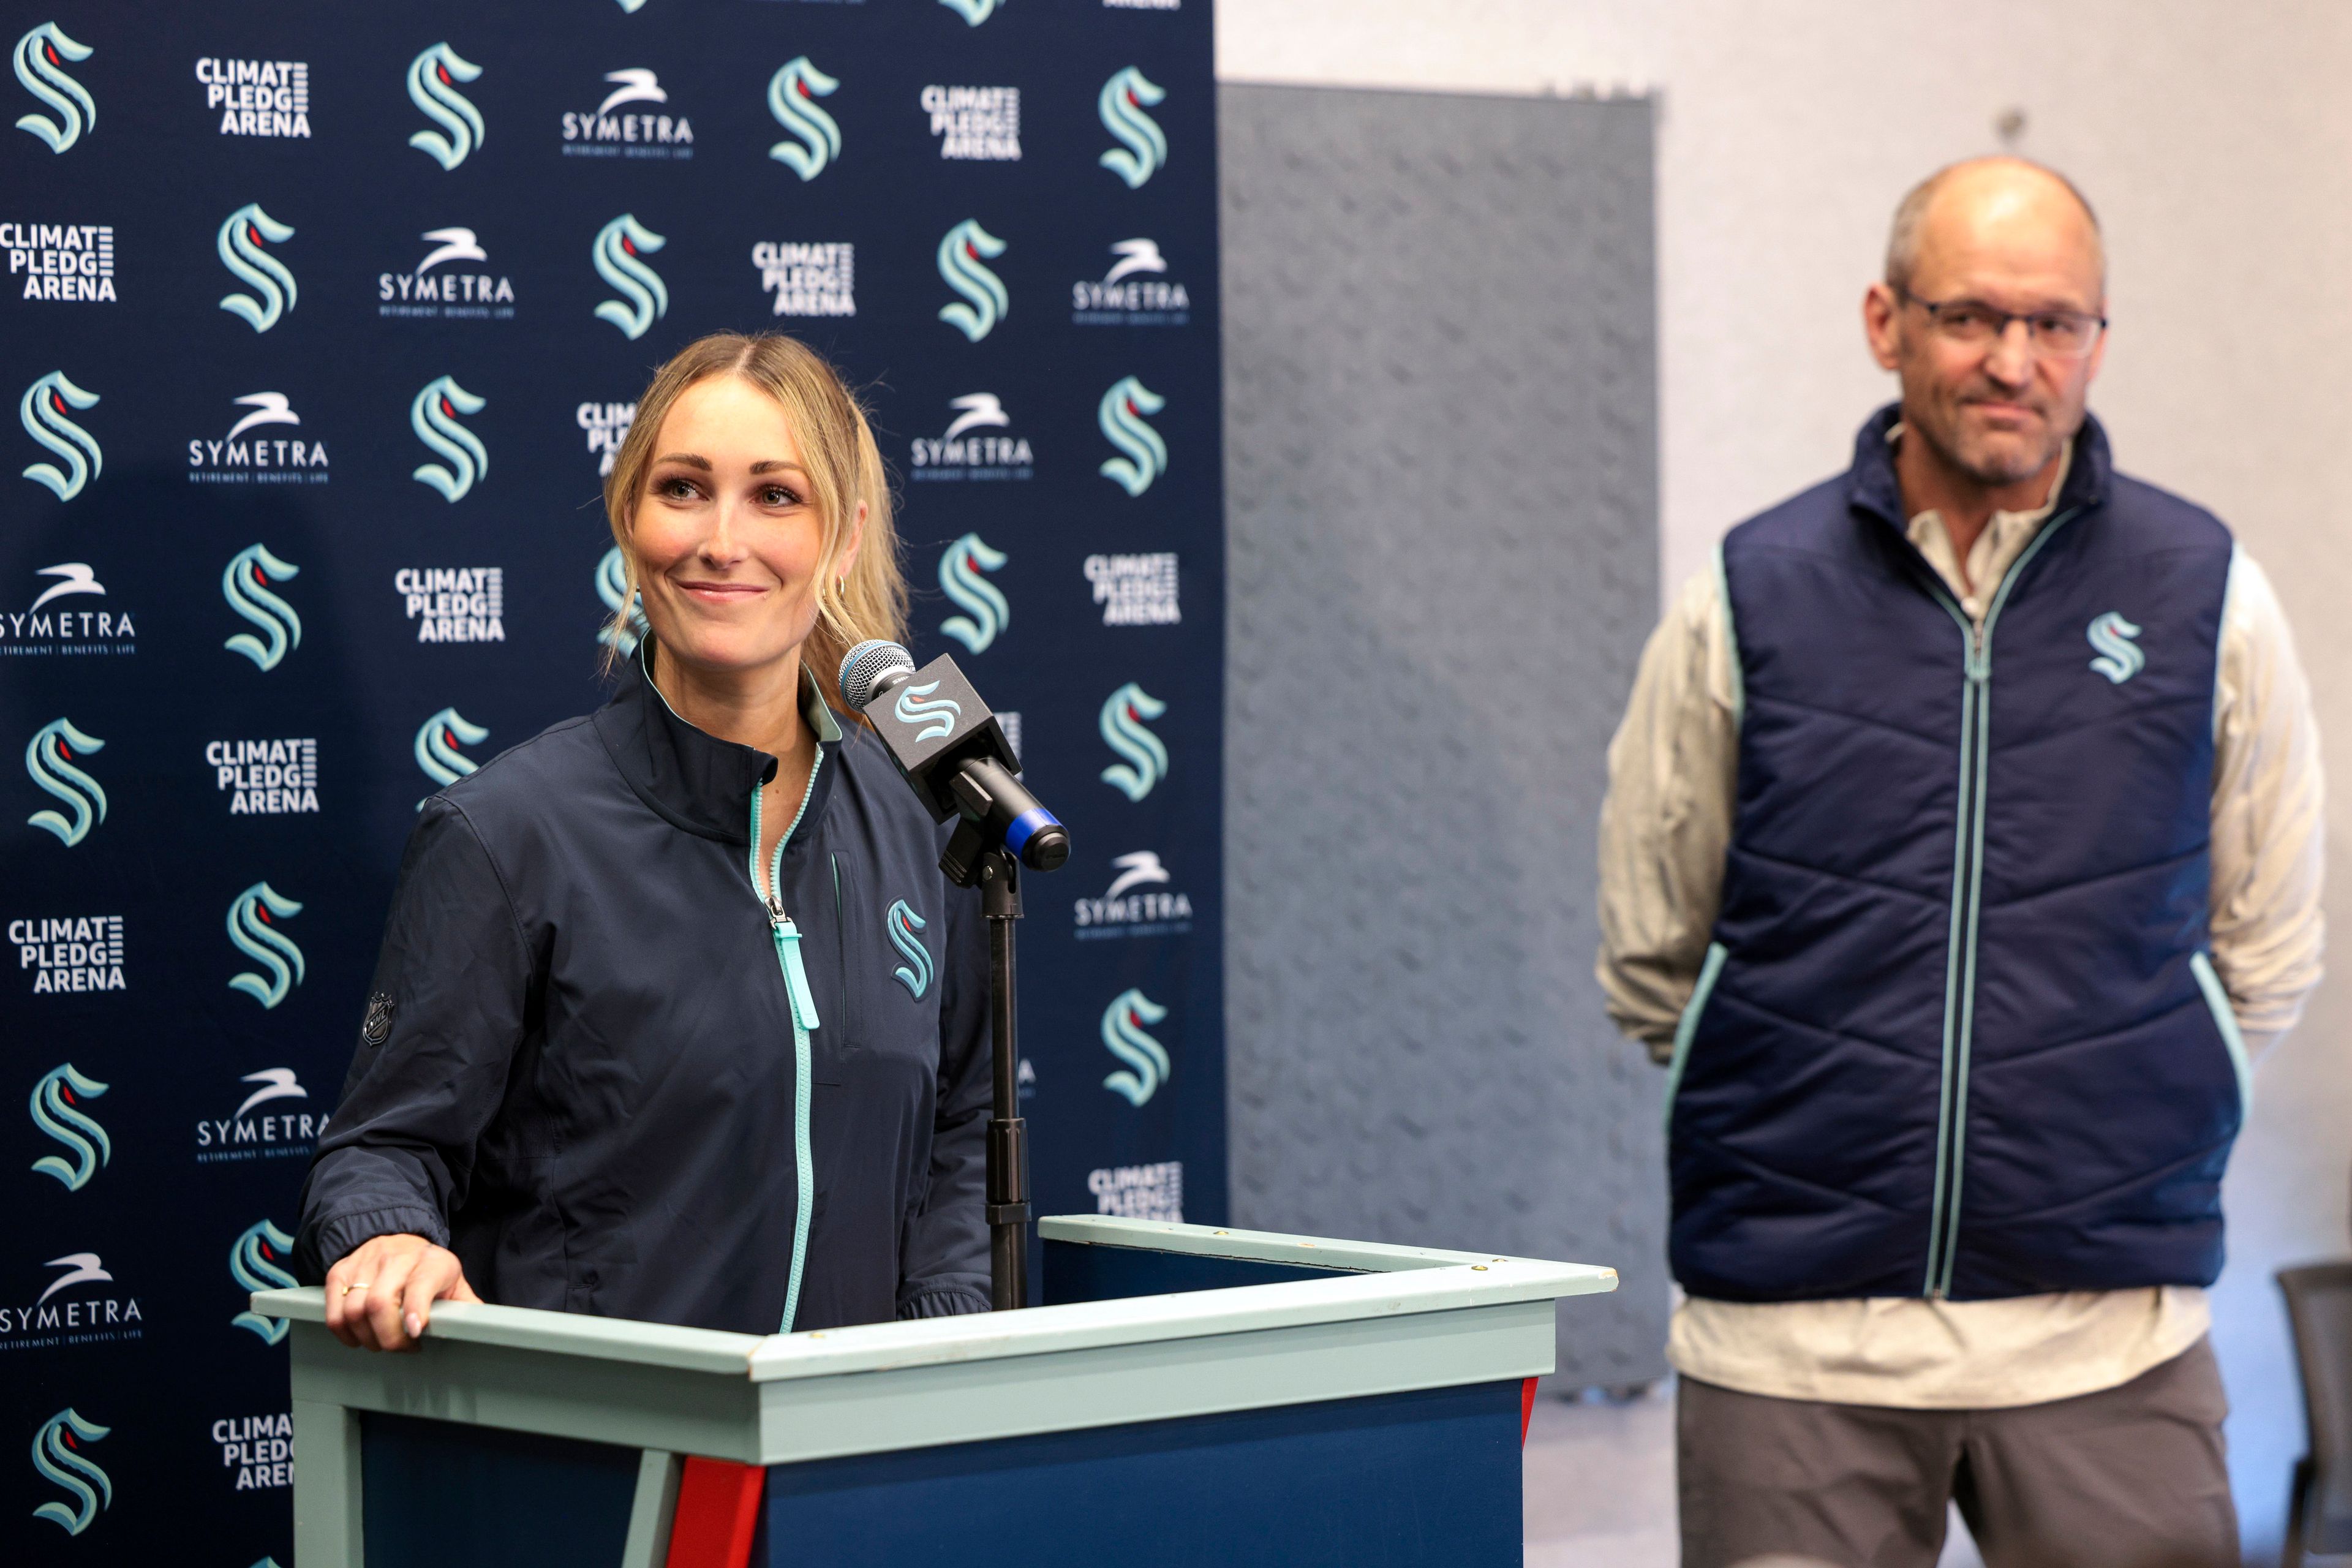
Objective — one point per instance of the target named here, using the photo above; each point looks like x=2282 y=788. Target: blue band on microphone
x=1016 y=837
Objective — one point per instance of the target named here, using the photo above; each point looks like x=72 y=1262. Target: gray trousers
x=2126 y=1478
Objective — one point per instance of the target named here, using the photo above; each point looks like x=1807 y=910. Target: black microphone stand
x=998 y=875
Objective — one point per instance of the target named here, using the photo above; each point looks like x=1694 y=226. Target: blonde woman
x=675 y=1017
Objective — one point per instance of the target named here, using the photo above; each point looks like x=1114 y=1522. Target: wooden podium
x=1188 y=1396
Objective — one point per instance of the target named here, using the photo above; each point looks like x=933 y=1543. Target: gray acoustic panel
x=1441 y=438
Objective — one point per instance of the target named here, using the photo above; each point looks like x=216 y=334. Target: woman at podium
x=675 y=1017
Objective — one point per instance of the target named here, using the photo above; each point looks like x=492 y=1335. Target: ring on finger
x=357 y=1285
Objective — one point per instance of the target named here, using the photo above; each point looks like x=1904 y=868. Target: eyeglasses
x=2063 y=334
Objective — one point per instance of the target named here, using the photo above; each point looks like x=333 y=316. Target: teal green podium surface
x=1187 y=1395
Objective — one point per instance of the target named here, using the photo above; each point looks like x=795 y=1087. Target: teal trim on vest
x=1687 y=1028
x=2225 y=1018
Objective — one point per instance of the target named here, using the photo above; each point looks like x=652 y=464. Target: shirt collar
x=1871 y=487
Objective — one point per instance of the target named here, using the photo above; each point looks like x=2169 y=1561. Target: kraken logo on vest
x=1135 y=292
x=433 y=79
x=973 y=12
x=253 y=932
x=2119 y=657
x=57 y=1456
x=619 y=255
x=1140 y=1192
x=975 y=124
x=32 y=632
x=242 y=235
x=1124 y=714
x=257 y=97
x=957 y=453
x=1122 y=1036
x=1138 y=902
x=257 y=1261
x=936 y=716
x=460 y=293
x=601 y=133
x=50 y=758
x=1135 y=590
x=273 y=1135
x=57 y=1112
x=808 y=279
x=64 y=1314
x=1143 y=146
x=43 y=411
x=433 y=414
x=985 y=612
x=40 y=57
x=905 y=927
x=73 y=262
x=607 y=424
x=1144 y=455
x=275 y=777
x=62 y=954
x=816 y=138
x=612 y=582
x=244 y=584
x=260 y=1449
x=437 y=739
x=267 y=458
x=453 y=603
x=962 y=251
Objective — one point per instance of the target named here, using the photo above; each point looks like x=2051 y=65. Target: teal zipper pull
x=788 y=954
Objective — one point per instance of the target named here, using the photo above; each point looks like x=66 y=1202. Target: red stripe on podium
x=718 y=1510
x=1526 y=1408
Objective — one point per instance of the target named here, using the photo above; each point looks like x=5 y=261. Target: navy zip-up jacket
x=577 y=1067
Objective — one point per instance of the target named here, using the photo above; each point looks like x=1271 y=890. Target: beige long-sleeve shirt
x=1664 y=829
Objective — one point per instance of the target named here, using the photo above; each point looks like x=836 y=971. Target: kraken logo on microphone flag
x=818 y=141
x=973 y=12
x=253 y=1263
x=1123 y=716
x=40 y=61
x=56 y=1111
x=239 y=243
x=1122 y=1036
x=618 y=252
x=433 y=414
x=937 y=716
x=433 y=79
x=962 y=251
x=48 y=757
x=2119 y=657
x=986 y=611
x=612 y=582
x=1145 y=146
x=437 y=740
x=43 y=410
x=252 y=933
x=904 y=923
x=1120 y=415
x=245 y=585
x=57 y=1456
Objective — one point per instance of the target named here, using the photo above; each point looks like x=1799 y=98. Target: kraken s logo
x=50 y=758
x=985 y=613
x=619 y=253
x=245 y=584
x=253 y=1263
x=936 y=716
x=41 y=54
x=241 y=237
x=973 y=12
x=915 y=974
x=57 y=1456
x=612 y=582
x=43 y=410
x=56 y=1111
x=2119 y=657
x=1123 y=715
x=790 y=92
x=960 y=254
x=433 y=414
x=1120 y=415
x=1121 y=103
x=433 y=79
x=250 y=930
x=437 y=740
x=1122 y=1036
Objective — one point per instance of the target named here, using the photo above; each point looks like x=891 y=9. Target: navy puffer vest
x=1959 y=1034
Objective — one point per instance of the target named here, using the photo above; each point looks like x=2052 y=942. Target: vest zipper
x=787 y=938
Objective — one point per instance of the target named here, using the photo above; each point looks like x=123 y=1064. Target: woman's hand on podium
x=381 y=1296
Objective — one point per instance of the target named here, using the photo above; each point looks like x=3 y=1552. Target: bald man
x=1962 y=850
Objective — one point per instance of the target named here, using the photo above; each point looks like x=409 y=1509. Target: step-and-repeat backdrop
x=322 y=323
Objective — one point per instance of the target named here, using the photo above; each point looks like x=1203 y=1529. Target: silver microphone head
x=863 y=669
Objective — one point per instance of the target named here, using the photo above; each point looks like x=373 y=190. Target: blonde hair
x=845 y=467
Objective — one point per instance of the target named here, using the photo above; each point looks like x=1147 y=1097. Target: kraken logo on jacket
x=1124 y=712
x=1143 y=145
x=1144 y=455
x=985 y=613
x=244 y=584
x=58 y=1111
x=936 y=716
x=43 y=410
x=1122 y=1036
x=2119 y=657
x=437 y=739
x=973 y=12
x=433 y=414
x=612 y=582
x=619 y=253
x=962 y=251
x=50 y=758
x=258 y=1262
x=905 y=927
x=817 y=139
x=253 y=932
x=242 y=235
x=40 y=57
x=57 y=1456
x=433 y=79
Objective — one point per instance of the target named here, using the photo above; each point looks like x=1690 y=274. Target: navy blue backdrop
x=320 y=322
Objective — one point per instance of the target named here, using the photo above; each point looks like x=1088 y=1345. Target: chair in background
x=2319 y=1512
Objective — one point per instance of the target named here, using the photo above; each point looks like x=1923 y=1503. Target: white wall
x=2216 y=142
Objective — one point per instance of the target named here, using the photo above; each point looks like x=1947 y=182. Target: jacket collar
x=690 y=778
x=1871 y=486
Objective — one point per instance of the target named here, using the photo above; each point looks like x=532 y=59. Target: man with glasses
x=1963 y=848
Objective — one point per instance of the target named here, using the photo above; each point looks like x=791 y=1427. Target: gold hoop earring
x=841 y=587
